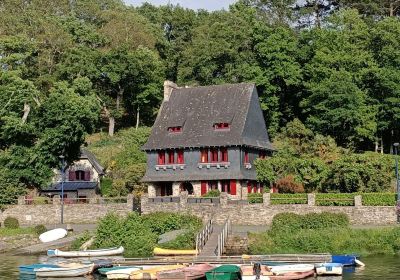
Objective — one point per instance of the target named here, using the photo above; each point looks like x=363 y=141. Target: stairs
x=212 y=243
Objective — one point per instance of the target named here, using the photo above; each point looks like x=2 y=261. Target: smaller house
x=82 y=179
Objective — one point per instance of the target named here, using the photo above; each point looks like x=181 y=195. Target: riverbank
x=321 y=233
x=11 y=239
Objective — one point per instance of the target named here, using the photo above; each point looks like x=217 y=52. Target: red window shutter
x=204 y=155
x=214 y=155
x=171 y=157
x=161 y=157
x=71 y=175
x=224 y=154
x=246 y=157
x=249 y=187
x=181 y=159
x=203 y=187
x=233 y=187
x=87 y=175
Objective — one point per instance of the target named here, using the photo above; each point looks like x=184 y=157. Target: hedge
x=288 y=198
x=255 y=198
x=334 y=199
x=379 y=199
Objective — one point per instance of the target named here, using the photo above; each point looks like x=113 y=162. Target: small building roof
x=71 y=186
x=197 y=109
x=85 y=154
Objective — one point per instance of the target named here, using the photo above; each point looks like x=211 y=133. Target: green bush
x=288 y=198
x=212 y=193
x=84 y=237
x=39 y=229
x=334 y=199
x=11 y=222
x=106 y=186
x=255 y=197
x=379 y=199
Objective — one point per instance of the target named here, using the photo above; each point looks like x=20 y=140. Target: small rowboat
x=53 y=235
x=104 y=270
x=329 y=269
x=122 y=273
x=151 y=273
x=224 y=272
x=281 y=269
x=87 y=253
x=292 y=275
x=30 y=269
x=167 y=252
x=248 y=270
x=187 y=273
x=71 y=270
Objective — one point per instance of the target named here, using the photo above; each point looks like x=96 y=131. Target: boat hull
x=187 y=273
x=224 y=272
x=53 y=235
x=123 y=273
x=65 y=271
x=293 y=275
x=329 y=269
x=103 y=271
x=281 y=269
x=30 y=269
x=151 y=273
x=167 y=252
x=87 y=253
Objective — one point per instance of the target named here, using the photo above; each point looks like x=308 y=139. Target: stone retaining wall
x=262 y=213
x=46 y=214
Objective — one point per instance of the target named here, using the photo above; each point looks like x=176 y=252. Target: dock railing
x=223 y=237
x=203 y=235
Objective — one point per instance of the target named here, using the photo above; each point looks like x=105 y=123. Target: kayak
x=87 y=253
x=168 y=252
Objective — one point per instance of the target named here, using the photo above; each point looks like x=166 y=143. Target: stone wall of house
x=48 y=214
x=262 y=213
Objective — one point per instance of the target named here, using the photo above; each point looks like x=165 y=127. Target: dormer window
x=175 y=129
x=221 y=126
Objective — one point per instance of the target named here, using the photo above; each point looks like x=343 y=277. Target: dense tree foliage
x=68 y=68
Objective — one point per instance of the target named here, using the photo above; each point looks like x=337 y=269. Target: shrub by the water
x=39 y=229
x=11 y=222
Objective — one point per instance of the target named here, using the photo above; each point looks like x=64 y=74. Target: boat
x=87 y=253
x=347 y=260
x=53 y=235
x=168 y=252
x=292 y=275
x=329 y=269
x=249 y=270
x=122 y=273
x=104 y=270
x=30 y=269
x=281 y=269
x=151 y=273
x=224 y=272
x=71 y=270
x=187 y=273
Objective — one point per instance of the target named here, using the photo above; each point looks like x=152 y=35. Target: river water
x=377 y=267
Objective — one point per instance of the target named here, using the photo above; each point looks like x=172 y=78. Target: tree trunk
x=119 y=97
x=27 y=109
x=381 y=145
x=317 y=15
x=111 y=125
x=137 y=117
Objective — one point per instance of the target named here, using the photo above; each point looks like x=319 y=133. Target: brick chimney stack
x=168 y=87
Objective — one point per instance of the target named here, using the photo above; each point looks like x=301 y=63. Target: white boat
x=87 y=253
x=329 y=269
x=281 y=269
x=254 y=277
x=53 y=235
x=123 y=273
x=72 y=270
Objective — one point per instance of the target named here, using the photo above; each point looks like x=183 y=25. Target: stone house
x=81 y=181
x=206 y=138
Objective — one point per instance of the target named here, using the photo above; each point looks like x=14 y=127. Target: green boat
x=225 y=272
x=104 y=270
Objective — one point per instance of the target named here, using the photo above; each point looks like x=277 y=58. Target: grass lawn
x=17 y=231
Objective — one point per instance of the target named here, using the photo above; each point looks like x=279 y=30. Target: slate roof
x=71 y=186
x=197 y=109
x=85 y=154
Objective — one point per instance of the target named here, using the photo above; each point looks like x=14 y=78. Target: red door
x=233 y=187
x=203 y=187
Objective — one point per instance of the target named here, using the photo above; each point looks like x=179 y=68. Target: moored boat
x=224 y=272
x=281 y=269
x=71 y=270
x=329 y=269
x=30 y=269
x=104 y=270
x=53 y=235
x=87 y=253
x=292 y=275
x=123 y=273
x=151 y=273
x=187 y=273
x=168 y=252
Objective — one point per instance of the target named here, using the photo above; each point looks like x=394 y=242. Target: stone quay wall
x=47 y=214
x=263 y=213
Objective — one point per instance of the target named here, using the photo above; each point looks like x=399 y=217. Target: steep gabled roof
x=85 y=154
x=197 y=109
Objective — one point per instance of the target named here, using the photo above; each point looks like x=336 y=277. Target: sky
x=210 y=5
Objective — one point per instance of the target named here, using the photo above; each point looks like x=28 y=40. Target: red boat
x=188 y=273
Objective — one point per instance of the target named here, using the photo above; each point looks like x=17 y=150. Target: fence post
x=357 y=200
x=223 y=199
x=21 y=200
x=266 y=199
x=311 y=199
x=183 y=198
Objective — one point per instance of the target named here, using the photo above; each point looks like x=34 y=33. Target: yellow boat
x=151 y=273
x=169 y=252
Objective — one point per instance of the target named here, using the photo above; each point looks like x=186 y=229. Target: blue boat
x=346 y=260
x=30 y=269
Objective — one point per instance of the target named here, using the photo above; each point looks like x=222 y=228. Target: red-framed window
x=246 y=157
x=224 y=154
x=161 y=157
x=225 y=186
x=214 y=155
x=171 y=157
x=204 y=155
x=220 y=126
x=175 y=129
x=262 y=154
x=180 y=157
x=213 y=185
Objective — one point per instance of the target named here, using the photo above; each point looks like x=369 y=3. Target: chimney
x=168 y=87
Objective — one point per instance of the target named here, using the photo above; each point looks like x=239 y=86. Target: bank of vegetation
x=139 y=234
x=323 y=233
